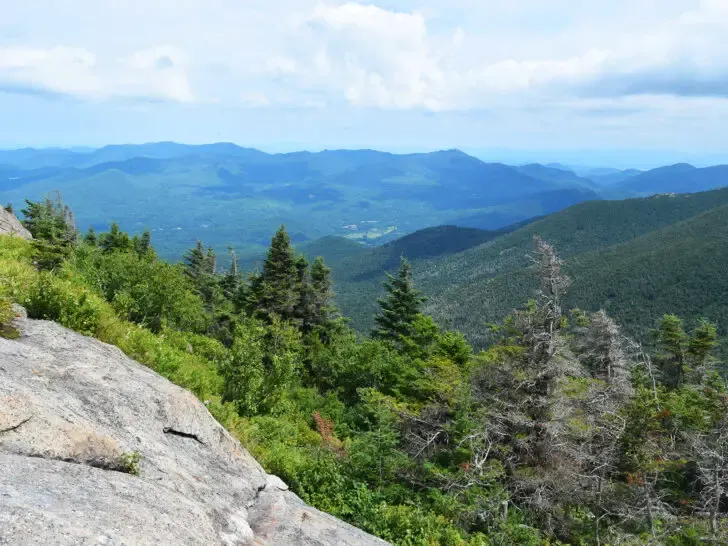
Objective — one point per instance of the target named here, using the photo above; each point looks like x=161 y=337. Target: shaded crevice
x=101 y=464
x=170 y=430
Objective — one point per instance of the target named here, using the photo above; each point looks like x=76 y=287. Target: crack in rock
x=17 y=426
x=170 y=430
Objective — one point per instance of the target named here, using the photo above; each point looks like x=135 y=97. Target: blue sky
x=632 y=82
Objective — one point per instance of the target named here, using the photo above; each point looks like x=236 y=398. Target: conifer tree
x=9 y=208
x=194 y=261
x=322 y=292
x=304 y=313
x=401 y=307
x=90 y=237
x=672 y=341
x=211 y=266
x=231 y=281
x=115 y=240
x=51 y=223
x=276 y=289
x=143 y=244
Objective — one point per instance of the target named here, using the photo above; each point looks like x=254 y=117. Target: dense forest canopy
x=561 y=430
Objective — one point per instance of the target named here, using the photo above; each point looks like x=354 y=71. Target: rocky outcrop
x=73 y=414
x=10 y=225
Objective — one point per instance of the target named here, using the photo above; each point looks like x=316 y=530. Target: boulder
x=10 y=225
x=96 y=448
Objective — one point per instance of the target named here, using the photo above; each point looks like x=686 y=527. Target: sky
x=623 y=82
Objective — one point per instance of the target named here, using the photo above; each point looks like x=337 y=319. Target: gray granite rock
x=71 y=410
x=10 y=225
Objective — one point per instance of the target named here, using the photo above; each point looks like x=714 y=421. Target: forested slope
x=471 y=288
x=678 y=268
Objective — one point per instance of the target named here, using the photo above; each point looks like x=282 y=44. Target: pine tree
x=322 y=295
x=143 y=244
x=304 y=312
x=672 y=341
x=90 y=237
x=51 y=223
x=211 y=264
x=194 y=261
x=9 y=208
x=231 y=281
x=276 y=289
x=115 y=240
x=401 y=307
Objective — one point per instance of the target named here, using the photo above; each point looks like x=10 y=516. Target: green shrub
x=129 y=462
x=6 y=317
x=51 y=298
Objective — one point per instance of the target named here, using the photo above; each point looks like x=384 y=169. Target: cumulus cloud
x=154 y=74
x=468 y=56
x=371 y=56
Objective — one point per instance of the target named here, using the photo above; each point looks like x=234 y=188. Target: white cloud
x=503 y=69
x=155 y=74
x=371 y=56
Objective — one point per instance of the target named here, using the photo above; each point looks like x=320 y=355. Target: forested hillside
x=680 y=178
x=472 y=288
x=562 y=431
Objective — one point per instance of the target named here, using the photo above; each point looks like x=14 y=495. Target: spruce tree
x=672 y=343
x=231 y=281
x=400 y=309
x=322 y=295
x=211 y=265
x=143 y=244
x=54 y=233
x=115 y=240
x=194 y=261
x=90 y=237
x=276 y=289
x=303 y=313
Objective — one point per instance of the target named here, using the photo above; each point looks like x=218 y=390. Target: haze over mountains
x=231 y=195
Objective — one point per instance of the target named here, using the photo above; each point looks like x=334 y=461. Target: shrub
x=51 y=298
x=6 y=316
x=129 y=462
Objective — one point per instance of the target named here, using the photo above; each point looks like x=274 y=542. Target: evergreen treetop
x=400 y=309
x=276 y=289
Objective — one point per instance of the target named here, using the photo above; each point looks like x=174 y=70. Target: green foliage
x=276 y=290
x=401 y=308
x=262 y=364
x=637 y=259
x=90 y=238
x=52 y=225
x=51 y=298
x=412 y=437
x=129 y=462
x=115 y=240
x=142 y=288
x=6 y=317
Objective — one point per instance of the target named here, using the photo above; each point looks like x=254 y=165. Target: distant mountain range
x=230 y=195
